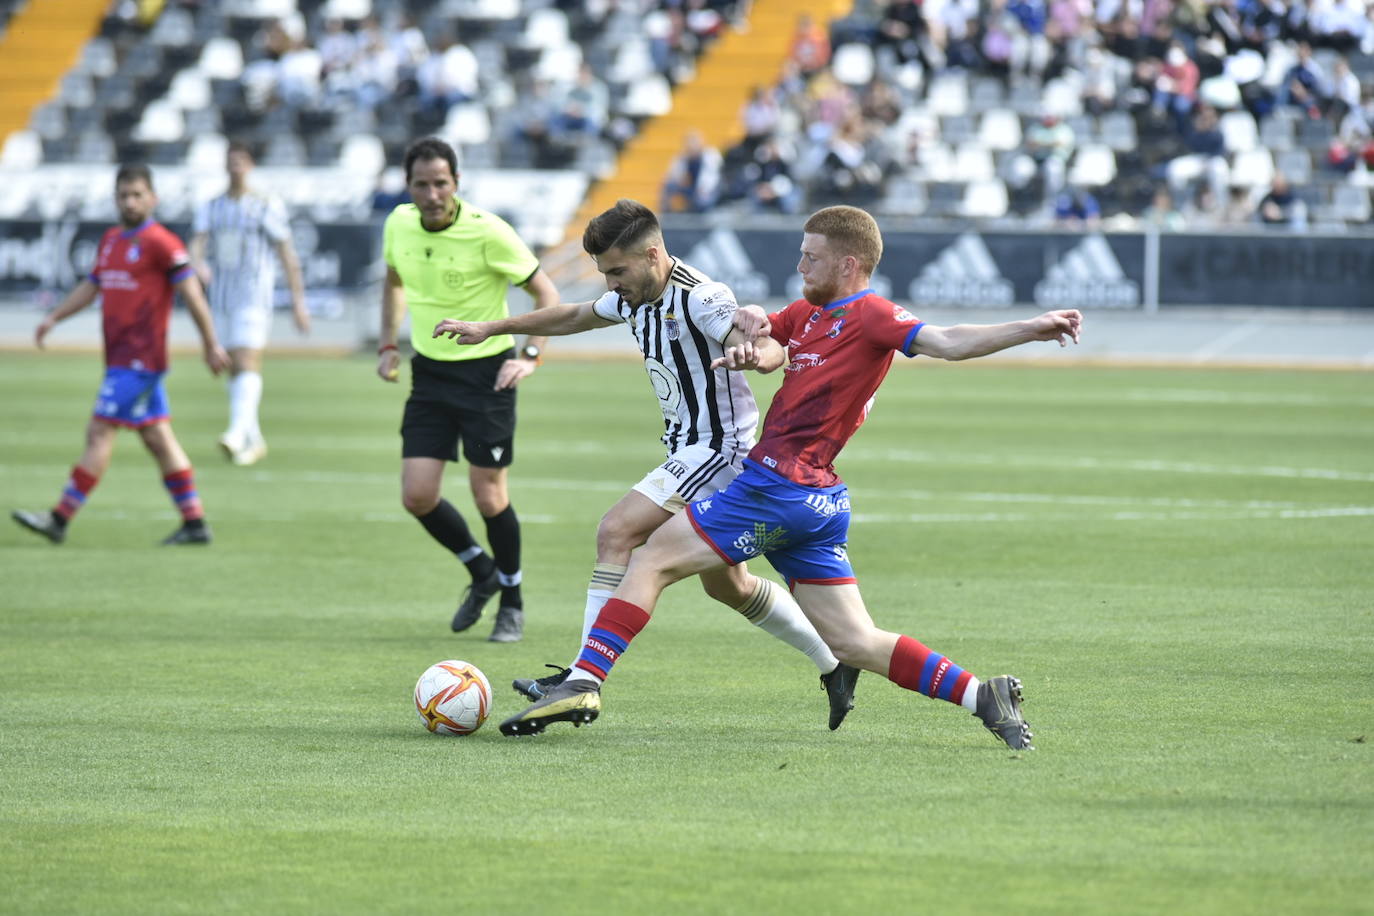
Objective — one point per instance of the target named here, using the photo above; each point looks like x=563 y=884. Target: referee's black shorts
x=453 y=401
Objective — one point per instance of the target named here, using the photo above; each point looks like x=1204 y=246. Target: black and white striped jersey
x=680 y=335
x=243 y=232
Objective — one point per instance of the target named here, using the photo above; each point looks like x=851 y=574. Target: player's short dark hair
x=134 y=171
x=851 y=231
x=241 y=146
x=431 y=148
x=627 y=225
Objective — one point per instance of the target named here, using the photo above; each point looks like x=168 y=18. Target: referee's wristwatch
x=530 y=351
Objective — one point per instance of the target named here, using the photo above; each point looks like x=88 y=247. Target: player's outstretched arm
x=968 y=341
x=79 y=298
x=194 y=297
x=751 y=321
x=762 y=355
x=554 y=321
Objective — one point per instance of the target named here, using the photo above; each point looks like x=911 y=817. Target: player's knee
x=614 y=541
x=727 y=591
x=419 y=502
x=490 y=505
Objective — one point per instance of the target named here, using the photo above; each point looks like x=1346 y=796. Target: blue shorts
x=132 y=397
x=802 y=531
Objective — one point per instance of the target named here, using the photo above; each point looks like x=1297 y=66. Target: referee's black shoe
x=474 y=599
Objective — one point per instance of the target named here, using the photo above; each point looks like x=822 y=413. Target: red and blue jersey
x=838 y=355
x=136 y=270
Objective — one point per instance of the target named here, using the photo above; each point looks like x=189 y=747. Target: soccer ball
x=453 y=698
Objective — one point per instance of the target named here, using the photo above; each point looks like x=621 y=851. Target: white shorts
x=689 y=474
x=243 y=327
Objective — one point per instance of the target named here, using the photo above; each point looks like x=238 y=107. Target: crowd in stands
x=1178 y=113
x=1173 y=113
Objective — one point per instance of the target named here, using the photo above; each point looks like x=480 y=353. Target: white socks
x=245 y=394
x=772 y=609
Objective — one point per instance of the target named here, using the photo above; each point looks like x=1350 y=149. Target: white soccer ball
x=453 y=698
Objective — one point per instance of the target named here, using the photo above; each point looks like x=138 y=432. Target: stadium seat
x=985 y=200
x=23 y=149
x=346 y=9
x=161 y=122
x=1118 y=131
x=1296 y=165
x=1062 y=97
x=648 y=97
x=853 y=64
x=1000 y=129
x=468 y=124
x=558 y=65
x=97 y=58
x=1350 y=203
x=190 y=90
x=362 y=154
x=936 y=162
x=1277 y=133
x=948 y=95
x=1253 y=168
x=1094 y=165
x=207 y=152
x=221 y=59
x=904 y=195
x=972 y=162
x=1239 y=131
x=546 y=28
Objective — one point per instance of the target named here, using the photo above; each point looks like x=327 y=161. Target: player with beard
x=837 y=344
x=682 y=322
x=139 y=265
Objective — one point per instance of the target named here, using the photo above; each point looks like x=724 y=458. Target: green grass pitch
x=1179 y=565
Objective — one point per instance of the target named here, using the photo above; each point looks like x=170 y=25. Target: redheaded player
x=788 y=505
x=139 y=266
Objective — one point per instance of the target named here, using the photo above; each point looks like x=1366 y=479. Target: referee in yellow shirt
x=446 y=258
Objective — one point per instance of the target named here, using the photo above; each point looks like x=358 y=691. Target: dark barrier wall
x=1128 y=270
x=55 y=255
x=1060 y=269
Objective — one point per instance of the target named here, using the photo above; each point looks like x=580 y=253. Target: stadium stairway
x=710 y=102
x=42 y=42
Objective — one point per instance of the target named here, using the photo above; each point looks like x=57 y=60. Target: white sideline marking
x=1202 y=396
x=1252 y=515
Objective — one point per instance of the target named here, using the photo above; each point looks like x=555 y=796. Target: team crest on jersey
x=835 y=329
x=901 y=314
x=132 y=254
x=670 y=325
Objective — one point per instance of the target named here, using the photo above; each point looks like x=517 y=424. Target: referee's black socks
x=503 y=534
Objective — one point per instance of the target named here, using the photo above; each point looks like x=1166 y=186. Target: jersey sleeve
x=389 y=239
x=175 y=259
x=507 y=255
x=889 y=326
x=275 y=221
x=784 y=321
x=608 y=308
x=712 y=307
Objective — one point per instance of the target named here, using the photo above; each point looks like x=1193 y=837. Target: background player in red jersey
x=139 y=265
x=788 y=505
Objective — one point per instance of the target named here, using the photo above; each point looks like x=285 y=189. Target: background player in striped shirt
x=237 y=239
x=681 y=321
x=788 y=504
x=139 y=265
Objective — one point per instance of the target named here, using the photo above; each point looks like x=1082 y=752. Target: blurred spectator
x=1304 y=85
x=1204 y=154
x=1339 y=24
x=1049 y=143
x=1099 y=81
x=377 y=67
x=1176 y=86
x=1354 y=140
x=1077 y=208
x=447 y=77
x=1205 y=210
x=693 y=181
x=1281 y=206
x=1239 y=210
x=768 y=182
x=583 y=107
x=852 y=170
x=1345 y=90
x=538 y=139
x=1161 y=213
x=881 y=103
x=810 y=48
x=901 y=28
x=759 y=117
